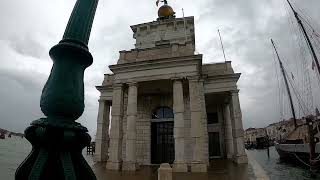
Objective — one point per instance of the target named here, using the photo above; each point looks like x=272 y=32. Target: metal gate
x=214 y=145
x=162 y=142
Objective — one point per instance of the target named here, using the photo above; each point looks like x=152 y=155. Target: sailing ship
x=302 y=143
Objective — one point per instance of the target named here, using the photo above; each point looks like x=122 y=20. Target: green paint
x=57 y=140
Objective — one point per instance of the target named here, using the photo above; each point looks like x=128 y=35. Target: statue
x=164 y=1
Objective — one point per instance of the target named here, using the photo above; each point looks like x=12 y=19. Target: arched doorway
x=162 y=141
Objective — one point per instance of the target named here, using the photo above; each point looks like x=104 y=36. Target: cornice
x=224 y=76
x=157 y=63
x=104 y=88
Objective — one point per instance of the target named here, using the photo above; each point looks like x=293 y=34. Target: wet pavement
x=219 y=170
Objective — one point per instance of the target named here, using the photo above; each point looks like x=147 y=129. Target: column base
x=130 y=166
x=180 y=167
x=198 y=167
x=240 y=159
x=229 y=156
x=100 y=158
x=113 y=165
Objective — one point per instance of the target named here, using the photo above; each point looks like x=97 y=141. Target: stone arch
x=162 y=112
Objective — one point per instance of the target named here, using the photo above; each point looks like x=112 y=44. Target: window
x=162 y=113
x=212 y=118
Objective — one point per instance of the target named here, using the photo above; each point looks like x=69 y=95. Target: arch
x=162 y=112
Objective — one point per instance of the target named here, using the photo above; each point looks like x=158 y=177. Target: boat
x=301 y=143
x=2 y=136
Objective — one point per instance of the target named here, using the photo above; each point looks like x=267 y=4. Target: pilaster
x=115 y=159
x=240 y=156
x=102 y=136
x=178 y=107
x=130 y=163
x=197 y=164
x=228 y=131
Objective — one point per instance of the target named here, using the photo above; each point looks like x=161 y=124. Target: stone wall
x=146 y=105
x=159 y=52
x=178 y=30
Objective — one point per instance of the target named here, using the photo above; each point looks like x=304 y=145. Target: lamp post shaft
x=57 y=140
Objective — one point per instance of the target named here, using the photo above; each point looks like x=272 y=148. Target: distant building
x=167 y=106
x=252 y=134
x=282 y=129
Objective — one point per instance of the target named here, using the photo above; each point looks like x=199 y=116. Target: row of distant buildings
x=4 y=132
x=274 y=131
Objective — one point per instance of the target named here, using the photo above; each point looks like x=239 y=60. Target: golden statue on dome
x=165 y=11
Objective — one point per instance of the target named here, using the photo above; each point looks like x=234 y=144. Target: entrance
x=162 y=142
x=214 y=145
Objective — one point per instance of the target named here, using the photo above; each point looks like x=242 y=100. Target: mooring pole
x=268 y=143
x=57 y=140
x=312 y=145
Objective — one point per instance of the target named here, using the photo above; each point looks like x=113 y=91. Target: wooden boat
x=297 y=143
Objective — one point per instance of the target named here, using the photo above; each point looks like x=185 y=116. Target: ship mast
x=287 y=85
x=296 y=15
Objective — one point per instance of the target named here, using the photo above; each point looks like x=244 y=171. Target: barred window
x=162 y=113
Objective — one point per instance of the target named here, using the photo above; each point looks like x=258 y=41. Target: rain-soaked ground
x=219 y=170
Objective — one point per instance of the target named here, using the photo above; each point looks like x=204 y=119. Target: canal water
x=278 y=170
x=14 y=150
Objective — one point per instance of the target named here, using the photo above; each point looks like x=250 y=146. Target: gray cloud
x=31 y=28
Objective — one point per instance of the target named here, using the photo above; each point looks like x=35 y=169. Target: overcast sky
x=30 y=28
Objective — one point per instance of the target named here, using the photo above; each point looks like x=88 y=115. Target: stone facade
x=251 y=134
x=162 y=76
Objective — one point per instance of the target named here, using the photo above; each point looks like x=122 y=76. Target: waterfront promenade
x=222 y=170
x=14 y=150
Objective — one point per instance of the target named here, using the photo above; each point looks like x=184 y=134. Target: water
x=276 y=169
x=12 y=152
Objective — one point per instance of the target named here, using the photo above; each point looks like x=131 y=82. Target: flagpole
x=224 y=55
x=185 y=26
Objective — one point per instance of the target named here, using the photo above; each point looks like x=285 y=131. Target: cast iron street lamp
x=57 y=140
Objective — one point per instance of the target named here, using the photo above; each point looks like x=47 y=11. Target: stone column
x=115 y=150
x=178 y=107
x=130 y=163
x=228 y=131
x=197 y=135
x=240 y=156
x=102 y=136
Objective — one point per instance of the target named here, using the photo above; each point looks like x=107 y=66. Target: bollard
x=165 y=172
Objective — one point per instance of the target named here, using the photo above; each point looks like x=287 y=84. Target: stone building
x=166 y=105
x=279 y=130
x=251 y=134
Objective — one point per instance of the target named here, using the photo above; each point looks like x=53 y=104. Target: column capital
x=233 y=92
x=177 y=79
x=117 y=85
x=193 y=78
x=132 y=83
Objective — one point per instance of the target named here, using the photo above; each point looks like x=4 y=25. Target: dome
x=165 y=11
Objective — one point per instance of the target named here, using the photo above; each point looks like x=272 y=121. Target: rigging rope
x=300 y=159
x=279 y=86
x=300 y=101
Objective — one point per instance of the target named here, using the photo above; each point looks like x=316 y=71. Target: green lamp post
x=57 y=140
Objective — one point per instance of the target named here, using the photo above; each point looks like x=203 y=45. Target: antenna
x=224 y=55
x=185 y=26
